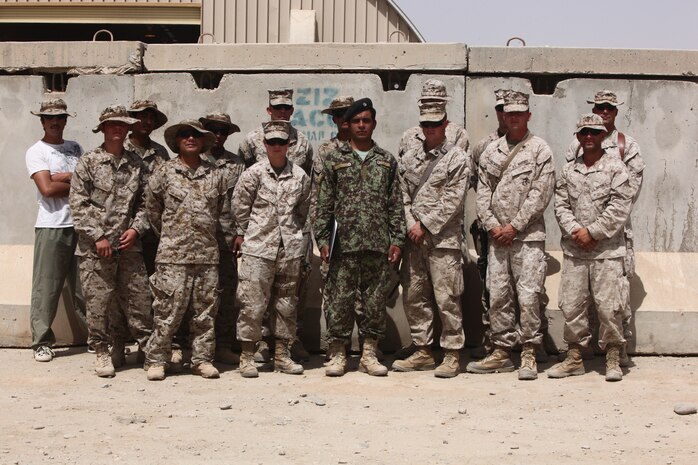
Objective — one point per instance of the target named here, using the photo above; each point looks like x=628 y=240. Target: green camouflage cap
x=515 y=101
x=114 y=113
x=591 y=121
x=141 y=105
x=220 y=118
x=280 y=97
x=53 y=107
x=606 y=96
x=278 y=129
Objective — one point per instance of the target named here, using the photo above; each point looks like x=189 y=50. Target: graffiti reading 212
x=308 y=116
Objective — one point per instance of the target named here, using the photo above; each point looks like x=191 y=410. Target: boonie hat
x=432 y=112
x=114 y=113
x=171 y=135
x=53 y=107
x=339 y=103
x=278 y=129
x=433 y=89
x=606 y=96
x=142 y=105
x=280 y=97
x=220 y=118
x=515 y=101
x=499 y=96
x=591 y=121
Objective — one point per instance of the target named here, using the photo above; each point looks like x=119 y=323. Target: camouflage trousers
x=432 y=284
x=117 y=298
x=629 y=267
x=516 y=274
x=176 y=289
x=268 y=284
x=227 y=315
x=353 y=277
x=587 y=285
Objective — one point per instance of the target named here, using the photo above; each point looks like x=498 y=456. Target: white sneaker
x=43 y=354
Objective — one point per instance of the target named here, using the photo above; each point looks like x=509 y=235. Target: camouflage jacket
x=318 y=165
x=414 y=137
x=439 y=202
x=477 y=152
x=106 y=199
x=632 y=159
x=153 y=157
x=597 y=197
x=364 y=198
x=271 y=211
x=232 y=167
x=520 y=194
x=300 y=152
x=184 y=208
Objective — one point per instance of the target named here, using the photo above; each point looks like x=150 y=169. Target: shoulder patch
x=339 y=166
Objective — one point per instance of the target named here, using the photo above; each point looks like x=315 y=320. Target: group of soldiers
x=159 y=238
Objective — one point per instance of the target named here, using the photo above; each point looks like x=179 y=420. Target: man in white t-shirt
x=50 y=163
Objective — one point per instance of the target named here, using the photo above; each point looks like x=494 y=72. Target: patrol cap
x=53 y=107
x=142 y=105
x=340 y=103
x=220 y=118
x=280 y=97
x=432 y=112
x=591 y=121
x=278 y=129
x=499 y=96
x=114 y=113
x=433 y=89
x=361 y=105
x=606 y=96
x=515 y=101
x=171 y=134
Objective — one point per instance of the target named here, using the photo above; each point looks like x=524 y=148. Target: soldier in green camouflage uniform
x=184 y=200
x=106 y=198
x=232 y=166
x=359 y=190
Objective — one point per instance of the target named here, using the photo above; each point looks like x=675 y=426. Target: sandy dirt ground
x=61 y=413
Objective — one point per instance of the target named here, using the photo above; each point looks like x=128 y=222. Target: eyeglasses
x=276 y=142
x=604 y=107
x=282 y=107
x=587 y=131
x=221 y=130
x=187 y=133
x=431 y=124
x=49 y=117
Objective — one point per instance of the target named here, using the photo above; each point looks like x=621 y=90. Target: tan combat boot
x=613 y=371
x=226 y=355
x=369 y=362
x=103 y=365
x=529 y=368
x=261 y=354
x=247 y=366
x=176 y=364
x=496 y=362
x=118 y=353
x=450 y=366
x=156 y=372
x=205 y=370
x=338 y=359
x=573 y=365
x=624 y=361
x=282 y=359
x=420 y=360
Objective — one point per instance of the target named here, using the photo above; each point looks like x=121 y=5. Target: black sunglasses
x=587 y=131
x=431 y=124
x=49 y=117
x=604 y=106
x=187 y=133
x=221 y=130
x=282 y=107
x=277 y=141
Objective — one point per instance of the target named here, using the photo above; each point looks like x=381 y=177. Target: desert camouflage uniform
x=364 y=198
x=232 y=167
x=598 y=198
x=270 y=211
x=106 y=199
x=518 y=196
x=635 y=165
x=152 y=158
x=432 y=274
x=300 y=152
x=184 y=208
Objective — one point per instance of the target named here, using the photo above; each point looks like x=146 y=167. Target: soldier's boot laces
x=338 y=359
x=420 y=360
x=613 y=371
x=226 y=355
x=247 y=365
x=624 y=358
x=176 y=364
x=496 y=362
x=118 y=353
x=450 y=366
x=282 y=359
x=205 y=370
x=156 y=372
x=369 y=362
x=529 y=368
x=261 y=354
x=103 y=365
x=573 y=365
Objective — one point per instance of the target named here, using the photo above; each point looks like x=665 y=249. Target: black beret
x=359 y=106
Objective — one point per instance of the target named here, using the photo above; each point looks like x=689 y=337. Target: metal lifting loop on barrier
x=397 y=31
x=201 y=38
x=523 y=42
x=111 y=36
